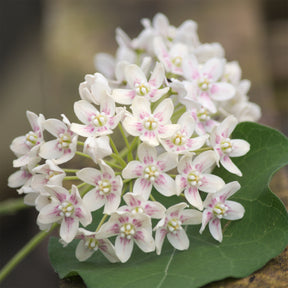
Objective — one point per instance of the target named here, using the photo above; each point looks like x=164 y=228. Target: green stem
x=101 y=222
x=21 y=254
x=71 y=178
x=177 y=114
x=11 y=206
x=129 y=156
x=116 y=154
x=203 y=149
x=80 y=143
x=113 y=165
x=70 y=170
x=82 y=154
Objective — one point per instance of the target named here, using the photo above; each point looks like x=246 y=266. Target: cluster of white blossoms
x=155 y=119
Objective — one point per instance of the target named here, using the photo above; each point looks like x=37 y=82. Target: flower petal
x=239 y=147
x=215 y=229
x=123 y=248
x=235 y=210
x=179 y=240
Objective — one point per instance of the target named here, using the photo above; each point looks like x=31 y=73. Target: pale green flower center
x=226 y=146
x=142 y=88
x=203 y=114
x=174 y=225
x=66 y=209
x=104 y=187
x=64 y=141
x=51 y=174
x=150 y=123
x=177 y=61
x=127 y=231
x=180 y=138
x=194 y=178
x=137 y=210
x=204 y=84
x=220 y=210
x=151 y=173
x=91 y=243
x=31 y=138
x=100 y=119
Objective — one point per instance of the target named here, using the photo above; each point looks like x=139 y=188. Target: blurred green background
x=47 y=47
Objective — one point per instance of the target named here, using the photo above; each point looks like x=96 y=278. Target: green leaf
x=247 y=244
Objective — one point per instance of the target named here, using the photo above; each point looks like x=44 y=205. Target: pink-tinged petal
x=181 y=183
x=133 y=126
x=205 y=161
x=35 y=121
x=49 y=214
x=144 y=240
x=229 y=165
x=175 y=210
x=154 y=209
x=190 y=68
x=123 y=96
x=167 y=161
x=123 y=248
x=112 y=202
x=50 y=150
x=179 y=240
x=222 y=91
x=215 y=229
x=187 y=122
x=93 y=200
x=89 y=175
x=214 y=68
x=185 y=165
x=211 y=183
x=108 y=250
x=159 y=239
x=227 y=126
x=84 y=111
x=235 y=210
x=156 y=94
x=193 y=197
x=239 y=147
x=133 y=200
x=162 y=53
x=107 y=106
x=190 y=217
x=196 y=143
x=157 y=76
x=133 y=169
x=146 y=154
x=164 y=111
x=166 y=131
x=68 y=229
x=134 y=74
x=67 y=154
x=165 y=185
x=19 y=146
x=58 y=192
x=82 y=252
x=107 y=171
x=141 y=107
x=150 y=138
x=142 y=187
x=54 y=127
x=19 y=178
x=83 y=130
x=207 y=216
x=205 y=100
x=227 y=191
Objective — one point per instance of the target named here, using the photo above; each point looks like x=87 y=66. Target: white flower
x=171 y=225
x=27 y=147
x=226 y=147
x=217 y=207
x=181 y=141
x=139 y=85
x=89 y=244
x=65 y=207
x=96 y=123
x=128 y=228
x=94 y=88
x=108 y=188
x=150 y=127
x=194 y=176
x=138 y=204
x=150 y=171
x=97 y=148
x=63 y=148
x=205 y=82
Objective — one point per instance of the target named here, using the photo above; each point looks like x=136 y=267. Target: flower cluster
x=155 y=119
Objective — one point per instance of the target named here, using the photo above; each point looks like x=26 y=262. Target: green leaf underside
x=247 y=244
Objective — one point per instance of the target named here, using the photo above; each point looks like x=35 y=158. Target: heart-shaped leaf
x=247 y=244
